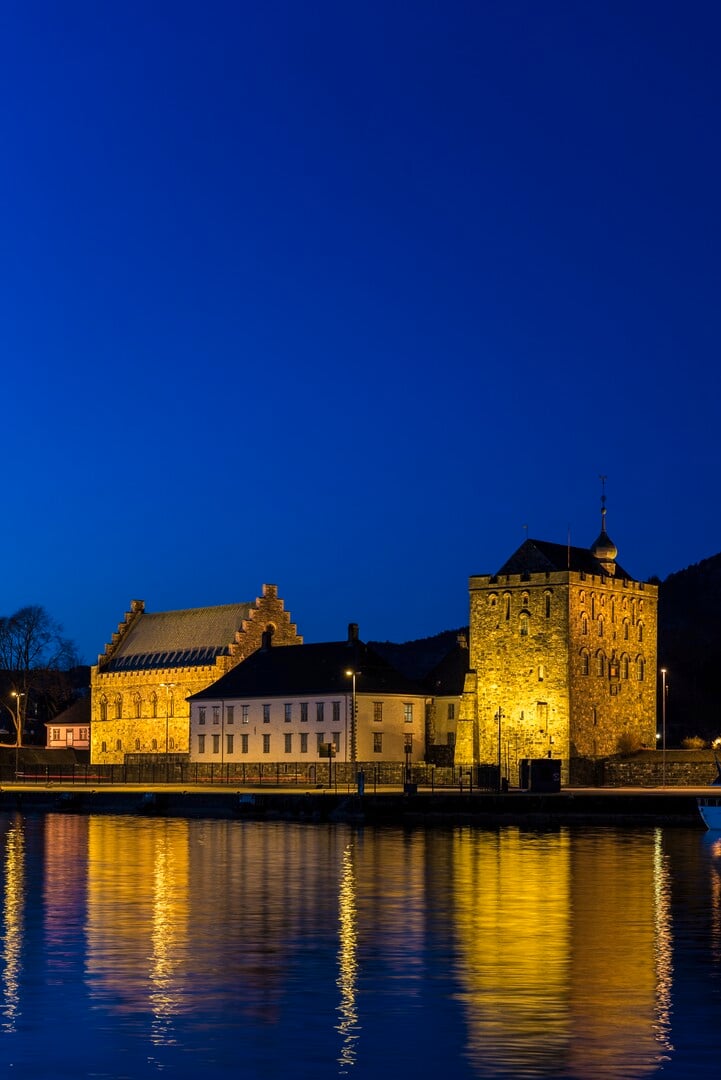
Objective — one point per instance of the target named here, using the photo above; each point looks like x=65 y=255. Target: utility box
x=540 y=774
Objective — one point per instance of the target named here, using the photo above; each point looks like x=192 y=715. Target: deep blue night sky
x=342 y=297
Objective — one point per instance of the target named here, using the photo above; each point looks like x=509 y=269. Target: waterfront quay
x=573 y=806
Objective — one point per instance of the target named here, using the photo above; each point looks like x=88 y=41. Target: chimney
x=352 y=632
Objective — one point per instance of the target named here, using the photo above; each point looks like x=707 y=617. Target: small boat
x=709 y=806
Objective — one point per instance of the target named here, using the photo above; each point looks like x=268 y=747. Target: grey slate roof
x=189 y=638
x=539 y=556
x=299 y=670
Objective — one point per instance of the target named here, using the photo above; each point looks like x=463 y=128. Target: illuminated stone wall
x=568 y=658
x=145 y=710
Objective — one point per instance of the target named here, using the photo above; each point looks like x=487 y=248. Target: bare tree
x=33 y=650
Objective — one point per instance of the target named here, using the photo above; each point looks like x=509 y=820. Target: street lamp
x=499 y=717
x=352 y=674
x=18 y=725
x=663 y=727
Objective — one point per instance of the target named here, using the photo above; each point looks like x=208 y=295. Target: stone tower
x=563 y=646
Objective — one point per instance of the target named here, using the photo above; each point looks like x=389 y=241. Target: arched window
x=584 y=624
x=118 y=706
x=171 y=705
x=154 y=744
x=625 y=629
x=507 y=604
x=584 y=662
x=171 y=743
x=118 y=744
x=524 y=600
x=547 y=604
x=524 y=624
x=493 y=600
x=641 y=668
x=154 y=705
x=137 y=705
x=582 y=596
x=137 y=744
x=103 y=708
x=624 y=666
x=640 y=631
x=600 y=664
x=600 y=626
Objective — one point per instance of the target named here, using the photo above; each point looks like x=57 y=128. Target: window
x=56 y=735
x=408 y=713
x=304 y=742
x=118 y=744
x=201 y=714
x=625 y=629
x=451 y=711
x=319 y=712
x=137 y=744
x=244 y=744
x=507 y=600
x=103 y=708
x=524 y=600
x=216 y=714
x=304 y=712
x=137 y=705
x=171 y=743
x=118 y=707
x=83 y=734
x=584 y=663
x=624 y=667
x=542 y=714
x=266 y=714
x=154 y=705
x=641 y=669
x=335 y=739
x=216 y=744
x=336 y=712
x=229 y=714
x=584 y=624
x=600 y=664
x=266 y=744
x=244 y=713
x=103 y=747
x=547 y=604
x=640 y=631
x=377 y=742
x=320 y=739
x=524 y=624
x=600 y=627
x=288 y=743
x=201 y=744
x=378 y=711
x=287 y=712
x=229 y=739
x=171 y=705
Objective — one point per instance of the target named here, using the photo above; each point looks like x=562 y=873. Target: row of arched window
x=137 y=746
x=601 y=627
x=504 y=601
x=597 y=604
x=114 y=706
x=623 y=667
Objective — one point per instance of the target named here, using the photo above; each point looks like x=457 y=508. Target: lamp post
x=499 y=717
x=352 y=674
x=663 y=727
x=18 y=725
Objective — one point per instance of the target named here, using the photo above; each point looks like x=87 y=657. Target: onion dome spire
x=604 y=548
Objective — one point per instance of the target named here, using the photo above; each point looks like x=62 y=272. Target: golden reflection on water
x=565 y=946
x=347 y=960
x=13 y=908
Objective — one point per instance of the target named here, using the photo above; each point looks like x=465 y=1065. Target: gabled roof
x=300 y=670
x=188 y=638
x=540 y=556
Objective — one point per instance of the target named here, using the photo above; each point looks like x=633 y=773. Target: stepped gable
x=542 y=556
x=285 y=670
x=187 y=638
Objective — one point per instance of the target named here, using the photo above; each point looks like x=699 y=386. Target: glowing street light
x=352 y=674
x=663 y=726
x=18 y=725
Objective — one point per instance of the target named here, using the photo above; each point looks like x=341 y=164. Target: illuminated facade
x=562 y=659
x=290 y=705
x=155 y=661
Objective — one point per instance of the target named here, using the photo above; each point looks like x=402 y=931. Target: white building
x=288 y=703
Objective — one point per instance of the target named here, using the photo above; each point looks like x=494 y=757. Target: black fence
x=319 y=774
